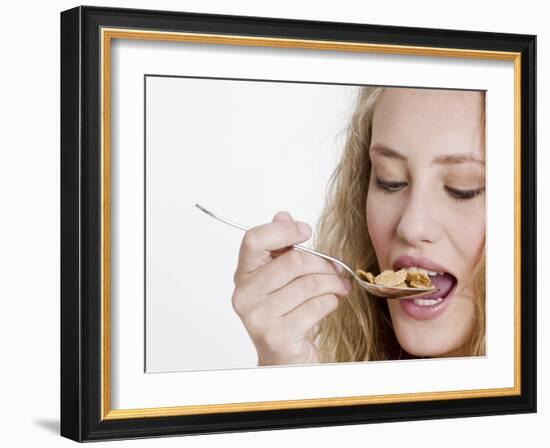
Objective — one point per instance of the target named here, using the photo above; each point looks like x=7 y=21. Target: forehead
x=430 y=120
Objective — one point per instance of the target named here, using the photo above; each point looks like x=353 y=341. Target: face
x=426 y=209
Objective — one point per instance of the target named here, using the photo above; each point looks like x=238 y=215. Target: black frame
x=80 y=224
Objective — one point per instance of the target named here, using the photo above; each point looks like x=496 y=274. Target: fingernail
x=337 y=267
x=304 y=229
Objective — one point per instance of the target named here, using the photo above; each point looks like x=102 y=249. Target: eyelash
x=389 y=187
x=464 y=195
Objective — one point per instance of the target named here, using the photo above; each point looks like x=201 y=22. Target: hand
x=281 y=293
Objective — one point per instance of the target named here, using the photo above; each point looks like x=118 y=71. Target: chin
x=444 y=336
x=433 y=346
x=434 y=352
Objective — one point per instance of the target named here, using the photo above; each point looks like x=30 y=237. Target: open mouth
x=444 y=282
x=431 y=305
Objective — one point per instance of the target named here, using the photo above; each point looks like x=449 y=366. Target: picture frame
x=88 y=141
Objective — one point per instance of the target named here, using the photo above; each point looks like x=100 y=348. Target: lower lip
x=425 y=312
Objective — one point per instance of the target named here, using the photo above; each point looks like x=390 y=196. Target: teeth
x=421 y=270
x=415 y=269
x=427 y=302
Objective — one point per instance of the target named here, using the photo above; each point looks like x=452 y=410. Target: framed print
x=271 y=223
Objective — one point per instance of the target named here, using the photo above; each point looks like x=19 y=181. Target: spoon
x=389 y=292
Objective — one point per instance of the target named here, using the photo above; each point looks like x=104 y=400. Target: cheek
x=379 y=224
x=467 y=231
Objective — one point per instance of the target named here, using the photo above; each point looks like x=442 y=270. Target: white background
x=29 y=236
x=243 y=149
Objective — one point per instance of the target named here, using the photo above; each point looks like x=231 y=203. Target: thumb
x=281 y=216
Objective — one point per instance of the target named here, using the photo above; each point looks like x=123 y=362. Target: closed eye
x=389 y=186
x=462 y=195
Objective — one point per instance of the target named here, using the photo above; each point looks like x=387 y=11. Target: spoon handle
x=296 y=246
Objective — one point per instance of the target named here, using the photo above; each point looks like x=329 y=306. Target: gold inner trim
x=517 y=222
x=107 y=34
x=303 y=404
x=116 y=33
x=105 y=226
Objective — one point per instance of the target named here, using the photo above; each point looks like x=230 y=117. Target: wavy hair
x=360 y=329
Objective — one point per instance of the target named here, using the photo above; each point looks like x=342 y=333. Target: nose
x=419 y=223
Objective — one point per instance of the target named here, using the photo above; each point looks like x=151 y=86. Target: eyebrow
x=454 y=159
x=445 y=159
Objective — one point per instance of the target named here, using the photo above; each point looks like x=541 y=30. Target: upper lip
x=404 y=261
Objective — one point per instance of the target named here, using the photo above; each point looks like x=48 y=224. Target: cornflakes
x=399 y=279
x=365 y=275
x=418 y=280
x=390 y=278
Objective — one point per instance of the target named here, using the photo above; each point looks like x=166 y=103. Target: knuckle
x=313 y=284
x=318 y=305
x=241 y=279
x=236 y=302
x=250 y=240
x=236 y=277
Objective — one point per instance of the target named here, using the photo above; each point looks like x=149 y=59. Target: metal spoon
x=389 y=292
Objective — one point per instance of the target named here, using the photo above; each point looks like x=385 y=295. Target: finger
x=279 y=273
x=297 y=324
x=287 y=267
x=281 y=216
x=279 y=252
x=298 y=292
x=259 y=241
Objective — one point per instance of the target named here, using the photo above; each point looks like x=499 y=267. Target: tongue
x=444 y=283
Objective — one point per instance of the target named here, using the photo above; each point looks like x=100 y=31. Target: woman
x=408 y=193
